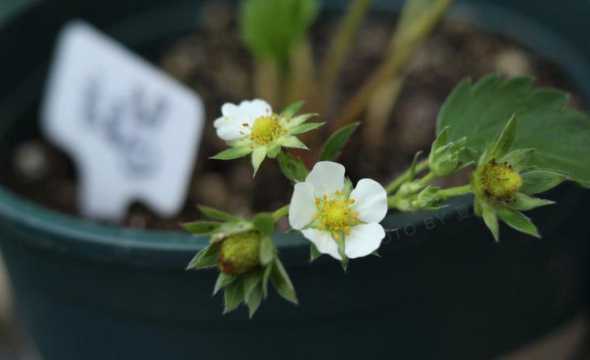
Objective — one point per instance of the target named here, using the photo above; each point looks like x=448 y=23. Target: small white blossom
x=326 y=210
x=253 y=128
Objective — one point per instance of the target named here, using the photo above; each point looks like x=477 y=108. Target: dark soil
x=214 y=63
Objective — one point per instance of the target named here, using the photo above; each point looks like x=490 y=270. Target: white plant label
x=132 y=131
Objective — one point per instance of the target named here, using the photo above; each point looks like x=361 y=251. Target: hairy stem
x=280 y=213
x=456 y=191
x=267 y=82
x=405 y=176
x=399 y=56
x=340 y=47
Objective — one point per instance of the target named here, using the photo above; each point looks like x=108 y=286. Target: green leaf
x=254 y=300
x=292 y=109
x=232 y=153
x=539 y=181
x=271 y=28
x=258 y=156
x=336 y=142
x=205 y=258
x=293 y=168
x=282 y=283
x=558 y=134
x=314 y=253
x=216 y=214
x=518 y=221
x=524 y=202
x=223 y=280
x=490 y=219
x=307 y=127
x=505 y=140
x=201 y=227
x=233 y=296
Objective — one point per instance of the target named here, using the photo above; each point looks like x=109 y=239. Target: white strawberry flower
x=253 y=128
x=330 y=213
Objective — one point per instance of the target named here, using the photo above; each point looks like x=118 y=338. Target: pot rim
x=50 y=229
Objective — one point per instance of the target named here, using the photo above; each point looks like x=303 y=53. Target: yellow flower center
x=266 y=129
x=239 y=253
x=336 y=214
x=500 y=181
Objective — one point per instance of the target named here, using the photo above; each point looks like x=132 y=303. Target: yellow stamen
x=266 y=129
x=336 y=214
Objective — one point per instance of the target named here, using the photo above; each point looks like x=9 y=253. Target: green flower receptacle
x=442 y=287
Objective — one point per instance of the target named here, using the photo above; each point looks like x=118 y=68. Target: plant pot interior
x=210 y=58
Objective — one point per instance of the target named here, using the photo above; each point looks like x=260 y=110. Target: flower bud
x=240 y=253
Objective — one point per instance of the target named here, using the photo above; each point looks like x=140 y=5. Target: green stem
x=340 y=46
x=280 y=213
x=456 y=191
x=405 y=176
x=406 y=43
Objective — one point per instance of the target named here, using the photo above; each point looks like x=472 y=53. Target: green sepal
x=299 y=120
x=274 y=151
x=294 y=143
x=518 y=221
x=505 y=139
x=264 y=223
x=293 y=168
x=414 y=165
x=201 y=227
x=539 y=181
x=232 y=153
x=254 y=300
x=266 y=278
x=258 y=156
x=490 y=219
x=292 y=109
x=267 y=250
x=282 y=283
x=233 y=295
x=206 y=258
x=216 y=214
x=523 y=202
x=251 y=281
x=223 y=280
x=304 y=128
x=336 y=142
x=519 y=159
x=314 y=253
x=229 y=229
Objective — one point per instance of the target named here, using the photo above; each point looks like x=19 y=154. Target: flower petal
x=302 y=209
x=229 y=110
x=327 y=177
x=255 y=108
x=231 y=132
x=370 y=200
x=363 y=240
x=323 y=241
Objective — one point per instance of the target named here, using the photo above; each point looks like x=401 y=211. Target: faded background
x=569 y=342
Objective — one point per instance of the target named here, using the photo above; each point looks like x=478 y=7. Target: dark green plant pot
x=441 y=290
